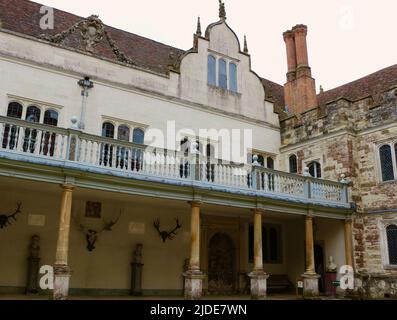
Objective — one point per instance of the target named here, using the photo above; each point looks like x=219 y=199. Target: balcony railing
x=43 y=141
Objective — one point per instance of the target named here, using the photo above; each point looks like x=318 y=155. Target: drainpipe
x=86 y=84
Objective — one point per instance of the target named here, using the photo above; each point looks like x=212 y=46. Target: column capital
x=258 y=210
x=310 y=214
x=195 y=204
x=68 y=187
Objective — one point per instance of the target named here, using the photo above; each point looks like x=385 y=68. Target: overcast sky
x=347 y=39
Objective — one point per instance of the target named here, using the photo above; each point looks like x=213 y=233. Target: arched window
x=210 y=150
x=386 y=162
x=261 y=160
x=138 y=136
x=293 y=164
x=14 y=110
x=185 y=146
x=270 y=163
x=211 y=70
x=51 y=118
x=391 y=232
x=232 y=77
x=315 y=169
x=123 y=133
x=33 y=114
x=108 y=130
x=222 y=74
x=48 y=142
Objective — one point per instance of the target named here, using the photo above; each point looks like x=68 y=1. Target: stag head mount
x=91 y=234
x=170 y=235
x=6 y=219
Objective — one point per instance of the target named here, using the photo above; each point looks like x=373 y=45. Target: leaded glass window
x=386 y=162
x=392 y=243
x=293 y=164
x=233 y=77
x=14 y=110
x=222 y=74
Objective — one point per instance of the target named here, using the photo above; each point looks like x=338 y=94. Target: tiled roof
x=364 y=87
x=24 y=16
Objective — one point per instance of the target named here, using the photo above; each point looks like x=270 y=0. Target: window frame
x=321 y=168
x=223 y=60
x=233 y=80
x=289 y=163
x=215 y=75
x=384 y=246
x=393 y=145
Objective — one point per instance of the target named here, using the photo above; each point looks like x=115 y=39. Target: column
x=291 y=54
x=348 y=242
x=310 y=278
x=194 y=277
x=61 y=269
x=258 y=276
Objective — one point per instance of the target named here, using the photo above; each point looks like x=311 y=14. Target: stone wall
x=344 y=136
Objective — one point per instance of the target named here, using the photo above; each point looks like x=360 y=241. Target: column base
x=310 y=285
x=62 y=274
x=258 y=284
x=193 y=284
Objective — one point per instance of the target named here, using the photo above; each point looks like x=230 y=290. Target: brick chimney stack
x=300 y=89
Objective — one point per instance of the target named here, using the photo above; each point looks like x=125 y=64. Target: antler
x=173 y=233
x=156 y=224
x=109 y=225
x=18 y=210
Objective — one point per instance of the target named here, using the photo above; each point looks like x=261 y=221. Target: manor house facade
x=118 y=165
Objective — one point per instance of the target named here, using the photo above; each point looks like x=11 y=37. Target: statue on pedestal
x=331 y=267
x=32 y=286
x=136 y=278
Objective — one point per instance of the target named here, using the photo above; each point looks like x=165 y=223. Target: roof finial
x=222 y=10
x=321 y=89
x=198 y=31
x=245 y=44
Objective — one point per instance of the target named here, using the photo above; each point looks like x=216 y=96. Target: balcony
x=75 y=150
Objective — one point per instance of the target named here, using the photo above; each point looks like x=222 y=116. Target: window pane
x=210 y=150
x=222 y=74
x=108 y=130
x=392 y=243
x=233 y=77
x=293 y=164
x=211 y=70
x=14 y=110
x=315 y=169
x=261 y=160
x=270 y=163
x=51 y=118
x=138 y=136
x=123 y=133
x=33 y=114
x=386 y=163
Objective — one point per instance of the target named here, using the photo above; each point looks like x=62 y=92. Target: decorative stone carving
x=331 y=267
x=136 y=277
x=92 y=31
x=32 y=285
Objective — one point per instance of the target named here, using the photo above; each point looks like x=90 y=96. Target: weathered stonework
x=344 y=136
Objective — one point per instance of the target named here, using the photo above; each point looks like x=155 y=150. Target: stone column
x=194 y=277
x=258 y=276
x=348 y=242
x=310 y=277
x=61 y=269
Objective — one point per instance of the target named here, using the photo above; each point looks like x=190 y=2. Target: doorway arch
x=221 y=264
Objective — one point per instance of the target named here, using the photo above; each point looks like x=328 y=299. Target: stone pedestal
x=330 y=289
x=32 y=285
x=258 y=284
x=310 y=285
x=136 y=279
x=62 y=274
x=193 y=285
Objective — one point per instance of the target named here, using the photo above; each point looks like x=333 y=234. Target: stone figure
x=138 y=253
x=136 y=276
x=331 y=267
x=32 y=286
